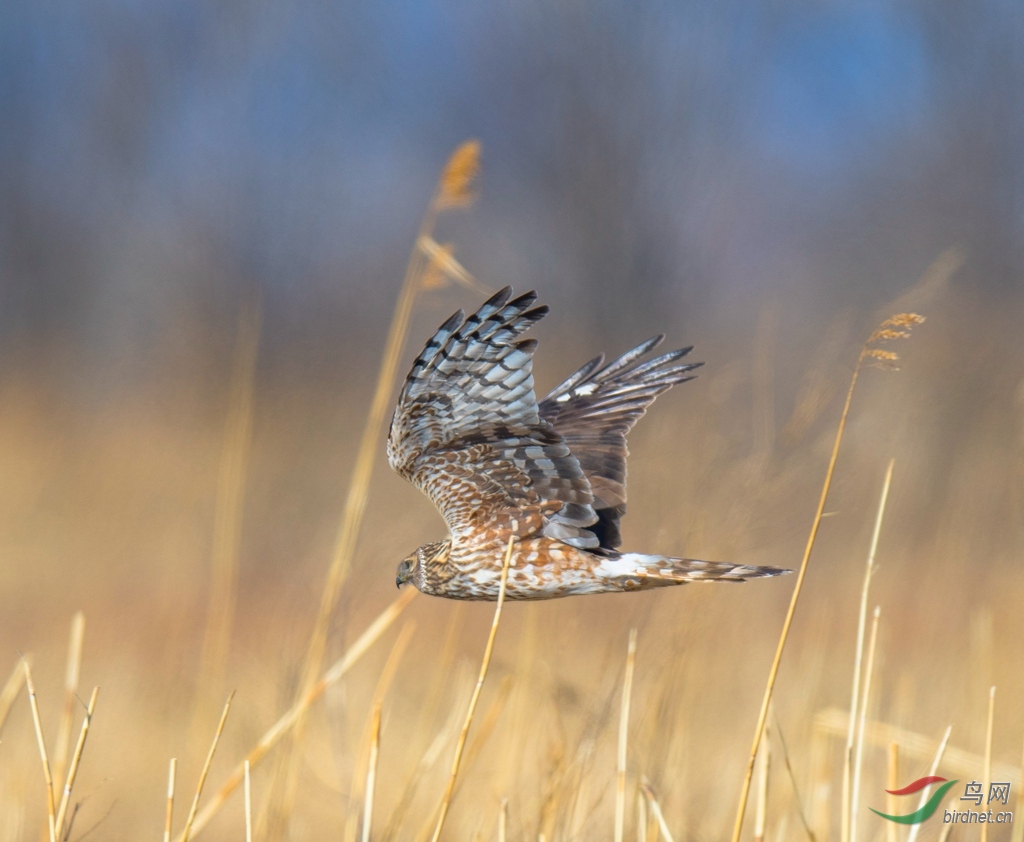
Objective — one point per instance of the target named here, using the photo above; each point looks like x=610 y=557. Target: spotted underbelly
x=539 y=570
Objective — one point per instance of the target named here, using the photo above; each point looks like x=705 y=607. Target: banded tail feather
x=640 y=570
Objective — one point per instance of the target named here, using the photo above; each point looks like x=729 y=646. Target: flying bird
x=469 y=432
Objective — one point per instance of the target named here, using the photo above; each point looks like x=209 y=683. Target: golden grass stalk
x=641 y=816
x=283 y=726
x=470 y=754
x=371 y=775
x=503 y=820
x=206 y=769
x=893 y=779
x=490 y=720
x=832 y=721
x=858 y=660
x=71 y=674
x=1018 y=826
x=454 y=189
x=441 y=681
x=442 y=265
x=366 y=742
x=75 y=761
x=904 y=322
x=941 y=750
x=11 y=690
x=427 y=761
x=248 y=804
x=792 y=778
x=987 y=779
x=579 y=810
x=761 y=802
x=229 y=508
x=50 y=815
x=821 y=782
x=620 y=778
x=858 y=764
x=450 y=788
x=656 y=809
x=169 y=815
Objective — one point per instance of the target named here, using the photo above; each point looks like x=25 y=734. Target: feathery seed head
x=455 y=188
x=895 y=327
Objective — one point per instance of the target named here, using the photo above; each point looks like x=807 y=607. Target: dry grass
x=228 y=511
x=76 y=759
x=169 y=813
x=43 y=754
x=556 y=738
x=185 y=834
x=895 y=327
x=620 y=777
x=454 y=189
x=449 y=791
x=858 y=663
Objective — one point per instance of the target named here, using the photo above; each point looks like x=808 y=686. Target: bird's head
x=424 y=565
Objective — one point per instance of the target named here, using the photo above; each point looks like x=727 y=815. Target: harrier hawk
x=469 y=433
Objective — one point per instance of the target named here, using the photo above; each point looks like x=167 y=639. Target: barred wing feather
x=594 y=410
x=468 y=432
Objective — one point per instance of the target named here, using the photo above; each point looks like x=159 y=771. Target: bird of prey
x=469 y=432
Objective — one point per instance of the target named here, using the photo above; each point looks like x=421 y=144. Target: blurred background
x=764 y=181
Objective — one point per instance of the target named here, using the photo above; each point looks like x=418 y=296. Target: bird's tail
x=637 y=570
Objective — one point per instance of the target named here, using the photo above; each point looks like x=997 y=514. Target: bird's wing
x=594 y=410
x=468 y=433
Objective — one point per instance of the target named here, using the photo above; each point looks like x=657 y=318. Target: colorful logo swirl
x=926 y=809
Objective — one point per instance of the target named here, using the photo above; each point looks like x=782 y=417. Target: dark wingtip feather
x=499 y=298
x=525 y=300
x=453 y=321
x=653 y=342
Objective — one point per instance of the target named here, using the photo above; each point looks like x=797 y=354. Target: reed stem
x=50 y=815
x=169 y=815
x=248 y=804
x=858 y=660
x=371 y=775
x=867 y=352
x=761 y=804
x=987 y=779
x=656 y=809
x=206 y=769
x=914 y=829
x=75 y=761
x=868 y=673
x=450 y=788
x=284 y=725
x=71 y=675
x=620 y=781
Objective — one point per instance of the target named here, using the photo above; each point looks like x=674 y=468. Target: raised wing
x=467 y=431
x=594 y=410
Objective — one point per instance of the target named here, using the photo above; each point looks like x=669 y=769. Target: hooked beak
x=404 y=573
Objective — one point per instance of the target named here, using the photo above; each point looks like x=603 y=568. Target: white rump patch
x=628 y=564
